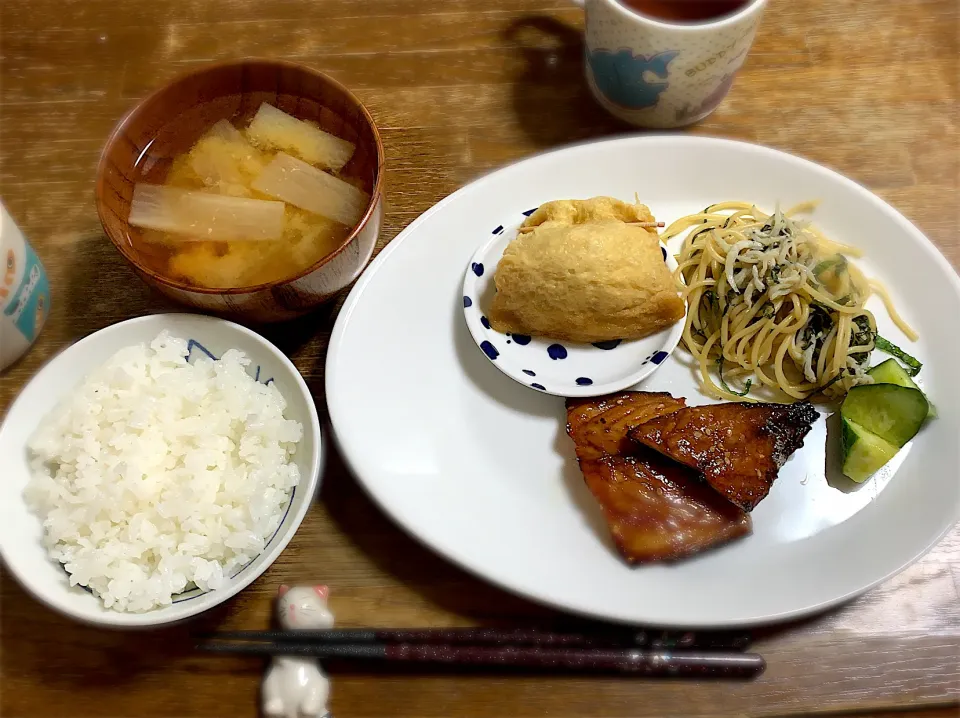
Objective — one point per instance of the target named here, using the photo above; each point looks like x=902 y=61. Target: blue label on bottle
x=31 y=303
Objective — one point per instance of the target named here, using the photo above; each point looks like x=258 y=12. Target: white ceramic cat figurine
x=294 y=686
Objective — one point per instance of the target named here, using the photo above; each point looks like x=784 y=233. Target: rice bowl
x=158 y=568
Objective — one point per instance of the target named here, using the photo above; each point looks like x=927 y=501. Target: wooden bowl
x=168 y=122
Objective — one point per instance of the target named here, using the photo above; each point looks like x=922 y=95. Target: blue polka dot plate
x=549 y=366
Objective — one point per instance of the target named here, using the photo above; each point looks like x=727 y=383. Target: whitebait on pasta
x=772 y=300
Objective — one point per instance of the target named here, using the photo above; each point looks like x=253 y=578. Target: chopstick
x=730 y=640
x=646 y=225
x=627 y=661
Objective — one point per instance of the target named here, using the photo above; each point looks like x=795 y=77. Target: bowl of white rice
x=154 y=469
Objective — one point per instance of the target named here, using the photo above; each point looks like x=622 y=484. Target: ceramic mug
x=24 y=292
x=655 y=73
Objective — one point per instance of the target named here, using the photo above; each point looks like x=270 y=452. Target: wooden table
x=457 y=88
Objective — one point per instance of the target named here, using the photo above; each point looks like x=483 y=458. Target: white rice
x=156 y=475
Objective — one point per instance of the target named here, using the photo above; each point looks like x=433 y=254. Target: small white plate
x=21 y=531
x=553 y=367
x=482 y=470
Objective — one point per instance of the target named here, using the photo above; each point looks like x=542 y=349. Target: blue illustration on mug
x=30 y=305
x=632 y=81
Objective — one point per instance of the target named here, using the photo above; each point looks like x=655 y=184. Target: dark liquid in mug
x=686 y=10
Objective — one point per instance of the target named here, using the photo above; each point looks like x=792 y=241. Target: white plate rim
x=356 y=293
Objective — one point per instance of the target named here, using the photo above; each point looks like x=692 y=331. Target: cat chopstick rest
x=294 y=686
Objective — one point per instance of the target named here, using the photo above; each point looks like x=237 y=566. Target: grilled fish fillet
x=658 y=510
x=738 y=447
x=655 y=508
x=599 y=425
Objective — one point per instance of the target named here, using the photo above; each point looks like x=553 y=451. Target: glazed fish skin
x=599 y=426
x=738 y=447
x=658 y=510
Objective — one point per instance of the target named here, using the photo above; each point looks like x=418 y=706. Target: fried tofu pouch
x=583 y=275
x=582 y=211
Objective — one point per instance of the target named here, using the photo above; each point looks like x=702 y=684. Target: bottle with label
x=24 y=292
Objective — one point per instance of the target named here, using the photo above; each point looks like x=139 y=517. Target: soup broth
x=230 y=161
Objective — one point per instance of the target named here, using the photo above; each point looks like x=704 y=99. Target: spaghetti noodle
x=770 y=299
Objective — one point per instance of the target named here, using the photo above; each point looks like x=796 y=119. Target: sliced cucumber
x=863 y=453
x=894 y=413
x=892 y=372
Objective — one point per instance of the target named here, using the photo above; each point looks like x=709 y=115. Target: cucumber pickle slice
x=892 y=372
x=863 y=453
x=894 y=413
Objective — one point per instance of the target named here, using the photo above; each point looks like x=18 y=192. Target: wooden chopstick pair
x=644 y=653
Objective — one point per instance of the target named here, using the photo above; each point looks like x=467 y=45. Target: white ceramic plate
x=21 y=531
x=481 y=469
x=558 y=368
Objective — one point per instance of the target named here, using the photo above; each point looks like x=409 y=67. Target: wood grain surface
x=457 y=88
